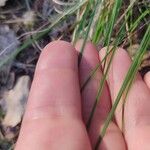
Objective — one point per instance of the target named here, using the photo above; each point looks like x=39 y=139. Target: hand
x=56 y=115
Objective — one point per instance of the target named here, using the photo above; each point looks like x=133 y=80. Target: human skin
x=57 y=112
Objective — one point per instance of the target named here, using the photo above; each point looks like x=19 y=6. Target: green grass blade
x=114 y=14
x=102 y=81
x=82 y=24
x=136 y=23
x=29 y=41
x=98 y=2
x=93 y=71
x=126 y=11
x=131 y=73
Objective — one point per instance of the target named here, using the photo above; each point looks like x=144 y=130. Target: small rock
x=14 y=102
x=2 y=3
x=132 y=50
x=29 y=18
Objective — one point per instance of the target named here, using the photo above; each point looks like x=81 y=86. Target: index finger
x=53 y=116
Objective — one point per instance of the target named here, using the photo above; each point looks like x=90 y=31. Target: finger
x=136 y=111
x=147 y=79
x=53 y=116
x=116 y=76
x=89 y=60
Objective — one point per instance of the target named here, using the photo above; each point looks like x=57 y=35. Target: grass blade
x=102 y=81
x=29 y=41
x=130 y=75
x=98 y=2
